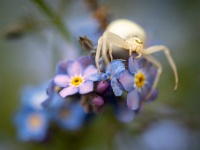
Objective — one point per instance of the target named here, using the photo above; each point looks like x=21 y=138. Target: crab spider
x=111 y=37
x=126 y=29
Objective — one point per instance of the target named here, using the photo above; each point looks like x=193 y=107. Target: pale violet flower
x=113 y=73
x=75 y=79
x=138 y=81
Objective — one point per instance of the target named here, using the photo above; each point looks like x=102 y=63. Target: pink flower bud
x=98 y=101
x=102 y=86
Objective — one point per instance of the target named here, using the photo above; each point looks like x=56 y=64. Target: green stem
x=56 y=20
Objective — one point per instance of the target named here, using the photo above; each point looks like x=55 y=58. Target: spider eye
x=138 y=41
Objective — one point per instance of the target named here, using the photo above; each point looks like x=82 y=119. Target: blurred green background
x=29 y=58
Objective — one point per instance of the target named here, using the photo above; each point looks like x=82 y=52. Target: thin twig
x=55 y=18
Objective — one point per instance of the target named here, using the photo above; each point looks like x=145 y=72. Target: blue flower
x=32 y=124
x=73 y=77
x=138 y=81
x=70 y=115
x=113 y=73
x=33 y=97
x=124 y=114
x=85 y=61
x=54 y=100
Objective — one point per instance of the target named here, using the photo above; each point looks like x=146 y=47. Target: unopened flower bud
x=98 y=101
x=102 y=86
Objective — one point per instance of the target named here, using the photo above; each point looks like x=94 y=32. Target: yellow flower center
x=35 y=121
x=140 y=79
x=57 y=88
x=76 y=81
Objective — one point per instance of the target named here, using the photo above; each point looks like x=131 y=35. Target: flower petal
x=143 y=63
x=61 y=80
x=89 y=71
x=70 y=90
x=51 y=87
x=86 y=60
x=61 y=67
x=133 y=100
x=74 y=118
x=115 y=68
x=133 y=65
x=150 y=73
x=153 y=95
x=94 y=77
x=124 y=114
x=145 y=91
x=127 y=80
x=116 y=86
x=74 y=68
x=86 y=87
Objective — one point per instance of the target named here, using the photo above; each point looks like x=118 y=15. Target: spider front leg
x=110 y=52
x=159 y=71
x=104 y=47
x=98 y=52
x=139 y=55
x=110 y=39
x=154 y=49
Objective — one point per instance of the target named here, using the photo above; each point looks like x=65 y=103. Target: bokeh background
x=31 y=45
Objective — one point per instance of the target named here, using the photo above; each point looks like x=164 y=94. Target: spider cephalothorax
x=136 y=45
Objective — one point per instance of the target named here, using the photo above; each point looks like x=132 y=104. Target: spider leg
x=139 y=55
x=130 y=51
x=116 y=40
x=157 y=48
x=98 y=52
x=110 y=51
x=159 y=71
x=112 y=39
x=104 y=47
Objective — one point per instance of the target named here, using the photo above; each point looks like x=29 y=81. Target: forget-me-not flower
x=33 y=97
x=32 y=124
x=70 y=115
x=113 y=72
x=74 y=78
x=138 y=81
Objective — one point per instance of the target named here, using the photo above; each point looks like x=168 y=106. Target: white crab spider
x=127 y=35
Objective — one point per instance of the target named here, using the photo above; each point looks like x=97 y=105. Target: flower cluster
x=38 y=109
x=77 y=90
x=121 y=82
